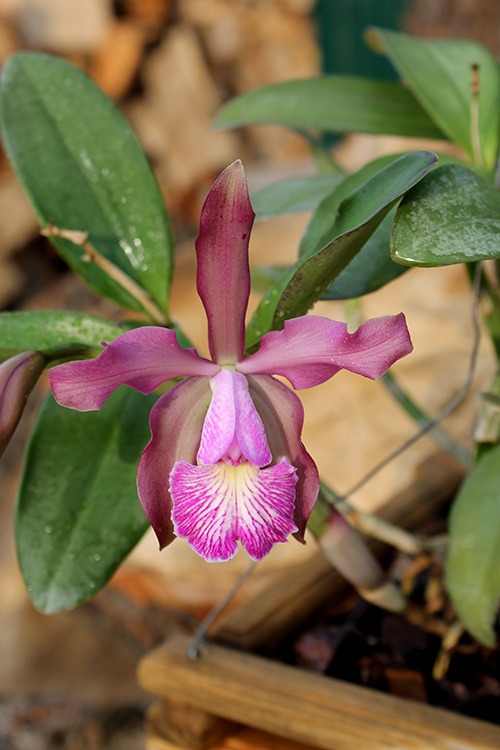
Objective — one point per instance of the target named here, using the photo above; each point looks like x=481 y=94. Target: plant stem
x=411 y=408
x=91 y=255
x=475 y=133
x=450 y=640
x=372 y=525
x=198 y=639
x=382 y=530
x=451 y=406
x=348 y=552
x=497 y=174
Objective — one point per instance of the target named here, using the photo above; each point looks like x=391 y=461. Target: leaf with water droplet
x=74 y=152
x=53 y=330
x=356 y=220
x=90 y=459
x=451 y=217
x=472 y=568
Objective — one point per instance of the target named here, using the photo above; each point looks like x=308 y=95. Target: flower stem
x=198 y=639
x=475 y=134
x=423 y=419
x=451 y=406
x=382 y=530
x=91 y=255
x=450 y=640
x=372 y=525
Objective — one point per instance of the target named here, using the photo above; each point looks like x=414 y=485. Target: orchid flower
x=225 y=462
x=18 y=376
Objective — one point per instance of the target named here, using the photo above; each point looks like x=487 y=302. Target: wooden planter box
x=231 y=699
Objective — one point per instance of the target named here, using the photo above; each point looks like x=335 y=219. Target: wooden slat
x=240 y=739
x=304 y=707
x=302 y=589
x=279 y=609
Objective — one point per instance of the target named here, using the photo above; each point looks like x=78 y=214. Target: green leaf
x=321 y=228
x=52 y=330
x=487 y=423
x=321 y=516
x=358 y=217
x=291 y=196
x=78 y=515
x=473 y=564
x=263 y=277
x=439 y=74
x=452 y=217
x=333 y=103
x=371 y=269
x=492 y=399
x=83 y=169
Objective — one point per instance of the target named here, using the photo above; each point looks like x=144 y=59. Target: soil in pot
x=404 y=655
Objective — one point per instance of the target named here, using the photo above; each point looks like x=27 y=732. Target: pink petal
x=232 y=418
x=176 y=422
x=223 y=276
x=283 y=417
x=311 y=349
x=204 y=509
x=18 y=376
x=219 y=425
x=266 y=510
x=250 y=432
x=142 y=358
x=216 y=505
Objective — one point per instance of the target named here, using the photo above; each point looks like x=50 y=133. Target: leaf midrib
x=104 y=206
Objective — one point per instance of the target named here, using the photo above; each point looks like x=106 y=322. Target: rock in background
x=170 y=64
x=463 y=19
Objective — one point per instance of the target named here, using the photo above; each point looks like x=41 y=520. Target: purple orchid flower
x=18 y=376
x=225 y=462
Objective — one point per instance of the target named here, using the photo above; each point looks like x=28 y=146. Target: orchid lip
x=216 y=506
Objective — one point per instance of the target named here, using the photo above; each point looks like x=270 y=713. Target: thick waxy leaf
x=473 y=565
x=52 y=330
x=371 y=268
x=291 y=196
x=335 y=104
x=78 y=514
x=452 y=217
x=83 y=169
x=358 y=217
x=321 y=228
x=439 y=74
